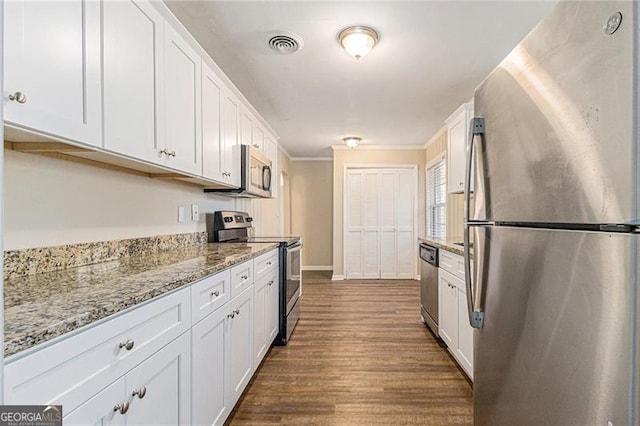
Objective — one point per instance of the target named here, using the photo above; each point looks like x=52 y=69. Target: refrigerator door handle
x=476 y=316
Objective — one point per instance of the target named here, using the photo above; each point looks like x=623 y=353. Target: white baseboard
x=417 y=277
x=317 y=268
x=337 y=277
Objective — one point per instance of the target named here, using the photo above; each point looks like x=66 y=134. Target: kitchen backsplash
x=33 y=261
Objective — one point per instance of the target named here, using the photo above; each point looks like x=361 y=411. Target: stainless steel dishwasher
x=429 y=286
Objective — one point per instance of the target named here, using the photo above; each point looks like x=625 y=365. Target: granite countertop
x=40 y=307
x=447 y=244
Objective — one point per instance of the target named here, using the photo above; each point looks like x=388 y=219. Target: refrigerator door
x=559 y=143
x=557 y=346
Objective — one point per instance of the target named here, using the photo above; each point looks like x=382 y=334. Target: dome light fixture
x=358 y=40
x=352 y=141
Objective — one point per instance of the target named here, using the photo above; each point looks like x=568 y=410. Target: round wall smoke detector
x=285 y=43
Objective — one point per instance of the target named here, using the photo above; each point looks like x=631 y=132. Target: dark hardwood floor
x=359 y=356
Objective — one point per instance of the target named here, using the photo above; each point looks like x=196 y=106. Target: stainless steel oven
x=232 y=226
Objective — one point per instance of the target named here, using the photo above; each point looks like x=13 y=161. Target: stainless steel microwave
x=255 y=175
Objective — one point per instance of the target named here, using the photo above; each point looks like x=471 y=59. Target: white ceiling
x=430 y=57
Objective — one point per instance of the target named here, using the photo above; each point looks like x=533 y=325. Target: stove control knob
x=228 y=219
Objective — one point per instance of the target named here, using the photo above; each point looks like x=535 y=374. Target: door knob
x=18 y=97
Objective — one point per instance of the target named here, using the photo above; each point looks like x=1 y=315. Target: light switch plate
x=180 y=214
x=195 y=216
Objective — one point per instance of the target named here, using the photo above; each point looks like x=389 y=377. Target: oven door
x=293 y=275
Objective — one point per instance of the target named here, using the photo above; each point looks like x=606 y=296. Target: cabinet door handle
x=122 y=408
x=268 y=263
x=19 y=97
x=270 y=283
x=237 y=312
x=164 y=151
x=244 y=277
x=255 y=145
x=140 y=392
x=215 y=293
x=231 y=315
x=173 y=153
x=128 y=345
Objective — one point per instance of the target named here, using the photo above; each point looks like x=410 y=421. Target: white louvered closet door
x=380 y=223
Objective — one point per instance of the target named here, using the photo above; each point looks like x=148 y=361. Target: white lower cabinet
x=103 y=409
x=453 y=324
x=209 y=401
x=240 y=344
x=150 y=365
x=155 y=392
x=265 y=306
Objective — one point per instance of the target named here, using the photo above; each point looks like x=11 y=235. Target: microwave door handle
x=266 y=178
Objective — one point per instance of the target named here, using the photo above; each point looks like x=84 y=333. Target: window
x=437 y=200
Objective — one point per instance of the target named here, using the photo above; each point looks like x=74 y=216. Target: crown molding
x=435 y=136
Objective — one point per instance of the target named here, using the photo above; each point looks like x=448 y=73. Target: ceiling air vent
x=285 y=43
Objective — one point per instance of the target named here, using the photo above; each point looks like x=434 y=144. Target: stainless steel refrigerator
x=554 y=293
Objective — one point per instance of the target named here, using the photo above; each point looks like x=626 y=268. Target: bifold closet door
x=380 y=223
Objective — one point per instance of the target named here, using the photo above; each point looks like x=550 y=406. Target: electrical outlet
x=194 y=213
x=180 y=214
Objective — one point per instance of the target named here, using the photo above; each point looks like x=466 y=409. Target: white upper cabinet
x=183 y=150
x=257 y=139
x=212 y=142
x=133 y=79
x=246 y=127
x=458 y=133
x=52 y=68
x=230 y=131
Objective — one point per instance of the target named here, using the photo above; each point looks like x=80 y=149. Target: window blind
x=437 y=200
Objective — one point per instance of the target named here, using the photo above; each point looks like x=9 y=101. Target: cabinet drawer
x=265 y=263
x=452 y=263
x=241 y=277
x=209 y=294
x=74 y=368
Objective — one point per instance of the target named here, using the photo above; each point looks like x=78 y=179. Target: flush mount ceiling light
x=358 y=40
x=352 y=141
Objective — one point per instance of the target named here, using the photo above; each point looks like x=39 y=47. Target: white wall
x=53 y=202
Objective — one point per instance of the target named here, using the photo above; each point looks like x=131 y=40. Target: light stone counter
x=43 y=306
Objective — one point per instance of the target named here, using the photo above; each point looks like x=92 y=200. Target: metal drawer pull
x=18 y=97
x=140 y=392
x=123 y=408
x=215 y=293
x=268 y=263
x=128 y=345
x=270 y=282
x=244 y=277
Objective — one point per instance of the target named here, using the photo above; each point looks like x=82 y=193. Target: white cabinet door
x=213 y=148
x=133 y=79
x=448 y=308
x=230 y=131
x=103 y=409
x=458 y=133
x=240 y=344
x=464 y=351
x=210 y=404
x=52 y=56
x=182 y=104
x=246 y=127
x=162 y=386
x=259 y=320
x=273 y=307
x=257 y=140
